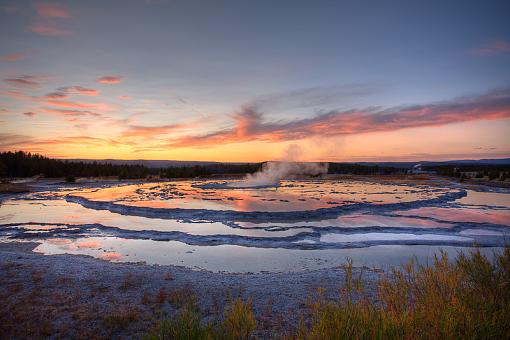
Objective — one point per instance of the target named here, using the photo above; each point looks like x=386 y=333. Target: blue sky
x=199 y=63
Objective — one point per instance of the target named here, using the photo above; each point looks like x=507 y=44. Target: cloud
x=124 y=97
x=81 y=105
x=109 y=79
x=49 y=16
x=16 y=95
x=147 y=131
x=80 y=90
x=29 y=114
x=63 y=92
x=71 y=113
x=249 y=124
x=56 y=95
x=8 y=140
x=494 y=47
x=49 y=30
x=13 y=56
x=319 y=96
x=24 y=81
x=51 y=10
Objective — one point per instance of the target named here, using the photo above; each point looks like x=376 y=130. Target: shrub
x=239 y=323
x=468 y=298
x=187 y=325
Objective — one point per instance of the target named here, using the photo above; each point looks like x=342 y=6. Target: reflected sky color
x=296 y=195
x=238 y=81
x=393 y=223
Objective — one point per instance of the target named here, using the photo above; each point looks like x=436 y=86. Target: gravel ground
x=81 y=297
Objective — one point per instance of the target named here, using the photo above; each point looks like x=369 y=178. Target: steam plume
x=273 y=172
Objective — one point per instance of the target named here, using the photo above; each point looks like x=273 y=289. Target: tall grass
x=468 y=298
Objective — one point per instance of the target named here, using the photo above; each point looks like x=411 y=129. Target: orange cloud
x=249 y=124
x=146 y=131
x=51 y=10
x=13 y=56
x=49 y=30
x=81 y=105
x=109 y=79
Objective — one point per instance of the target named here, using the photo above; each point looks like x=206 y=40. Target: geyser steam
x=273 y=172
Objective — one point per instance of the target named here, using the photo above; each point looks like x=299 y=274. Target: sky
x=249 y=81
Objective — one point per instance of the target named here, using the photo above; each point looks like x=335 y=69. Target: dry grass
x=238 y=323
x=468 y=298
x=465 y=299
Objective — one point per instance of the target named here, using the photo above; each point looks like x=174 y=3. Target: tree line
x=25 y=164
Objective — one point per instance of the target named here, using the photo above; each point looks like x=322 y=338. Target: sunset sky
x=247 y=80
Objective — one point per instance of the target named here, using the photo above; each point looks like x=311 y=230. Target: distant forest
x=491 y=171
x=24 y=164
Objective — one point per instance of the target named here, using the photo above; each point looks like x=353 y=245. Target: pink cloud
x=64 y=92
x=24 y=81
x=49 y=30
x=13 y=56
x=109 y=79
x=79 y=90
x=249 y=124
x=29 y=114
x=51 y=10
x=494 y=47
x=17 y=95
x=124 y=97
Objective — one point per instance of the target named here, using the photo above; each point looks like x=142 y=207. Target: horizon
x=252 y=82
x=280 y=160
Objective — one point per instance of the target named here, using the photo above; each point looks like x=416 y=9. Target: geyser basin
x=302 y=224
x=295 y=195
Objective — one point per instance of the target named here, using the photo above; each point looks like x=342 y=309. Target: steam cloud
x=273 y=172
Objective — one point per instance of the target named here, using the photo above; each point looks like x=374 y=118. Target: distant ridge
x=403 y=165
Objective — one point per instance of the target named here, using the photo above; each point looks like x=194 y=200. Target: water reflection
x=247 y=259
x=290 y=196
